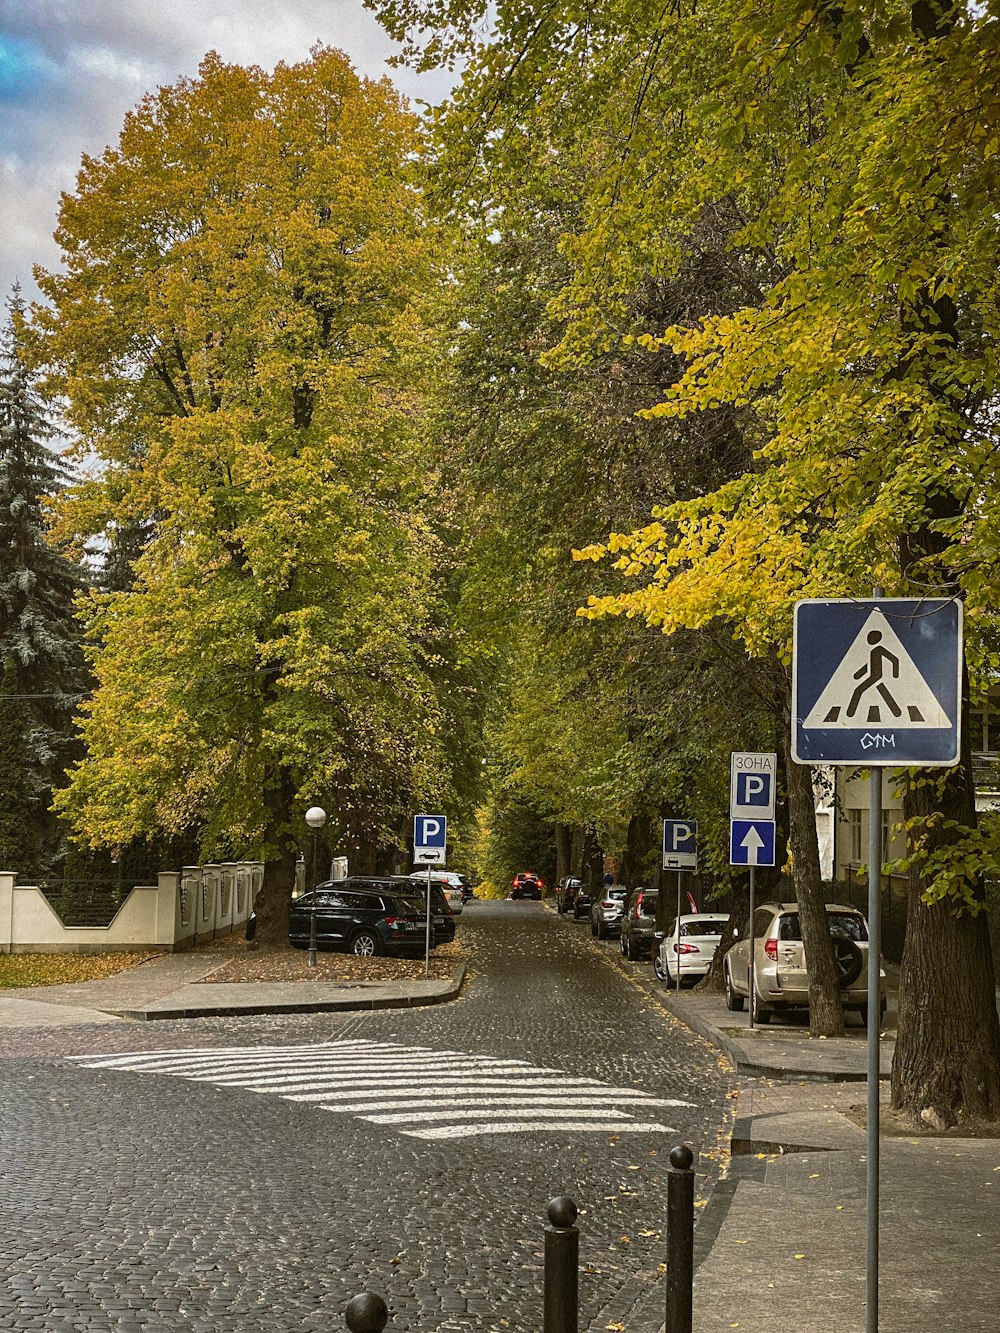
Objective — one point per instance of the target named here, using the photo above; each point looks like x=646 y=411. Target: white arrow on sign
x=753 y=842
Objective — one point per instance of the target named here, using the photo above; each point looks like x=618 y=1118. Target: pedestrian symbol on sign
x=877 y=684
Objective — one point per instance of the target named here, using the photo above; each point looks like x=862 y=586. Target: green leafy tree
x=239 y=347
x=856 y=147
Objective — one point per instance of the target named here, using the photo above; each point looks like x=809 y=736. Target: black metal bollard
x=562 y=1268
x=680 y=1240
x=366 y=1313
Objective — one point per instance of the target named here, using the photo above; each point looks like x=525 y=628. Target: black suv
x=442 y=917
x=366 y=916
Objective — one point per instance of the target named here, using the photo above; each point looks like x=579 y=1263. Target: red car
x=526 y=884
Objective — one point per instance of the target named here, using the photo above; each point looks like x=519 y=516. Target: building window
x=984 y=728
x=854 y=835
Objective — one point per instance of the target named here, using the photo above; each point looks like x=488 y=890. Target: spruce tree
x=39 y=636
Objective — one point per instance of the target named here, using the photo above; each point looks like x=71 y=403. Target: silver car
x=606 y=913
x=780 y=964
x=688 y=947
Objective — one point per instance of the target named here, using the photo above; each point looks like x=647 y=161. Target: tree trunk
x=739 y=918
x=563 y=851
x=826 y=1014
x=273 y=900
x=592 y=869
x=635 y=867
x=947 y=1059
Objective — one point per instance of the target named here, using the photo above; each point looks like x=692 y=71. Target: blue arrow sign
x=751 y=842
x=877 y=683
x=680 y=844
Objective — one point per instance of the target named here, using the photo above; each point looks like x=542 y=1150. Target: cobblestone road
x=138 y=1199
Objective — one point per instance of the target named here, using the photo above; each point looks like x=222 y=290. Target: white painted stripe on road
x=248 y=1051
x=525 y=1126
x=553 y=1099
x=524 y=1108
x=456 y=1070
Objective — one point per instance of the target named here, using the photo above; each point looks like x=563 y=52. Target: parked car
x=689 y=950
x=606 y=913
x=639 y=922
x=442 y=913
x=468 y=892
x=365 y=916
x=582 y=901
x=449 y=884
x=782 y=983
x=565 y=892
x=527 y=884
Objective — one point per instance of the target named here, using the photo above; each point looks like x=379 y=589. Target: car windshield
x=705 y=926
x=616 y=895
x=849 y=924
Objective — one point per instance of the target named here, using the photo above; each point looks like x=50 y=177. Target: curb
x=296 y=1007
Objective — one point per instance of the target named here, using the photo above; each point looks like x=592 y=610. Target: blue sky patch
x=23 y=67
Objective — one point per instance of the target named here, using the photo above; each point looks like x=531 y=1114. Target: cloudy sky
x=70 y=69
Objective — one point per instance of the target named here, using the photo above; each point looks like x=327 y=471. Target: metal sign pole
x=874 y=1026
x=677 y=946
x=753 y=967
x=427 y=936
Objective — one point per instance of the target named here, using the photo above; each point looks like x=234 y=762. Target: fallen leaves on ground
x=61 y=969
x=270 y=963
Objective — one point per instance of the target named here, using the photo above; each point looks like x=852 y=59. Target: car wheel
x=734 y=1002
x=762 y=1015
x=366 y=944
x=627 y=947
x=593 y=929
x=848 y=960
x=658 y=969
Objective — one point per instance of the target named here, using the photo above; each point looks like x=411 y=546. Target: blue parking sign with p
x=753 y=789
x=680 y=844
x=430 y=837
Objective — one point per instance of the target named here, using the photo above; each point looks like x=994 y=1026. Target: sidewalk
x=174 y=986
x=782 y=1245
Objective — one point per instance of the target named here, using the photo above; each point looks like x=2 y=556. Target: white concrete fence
x=183 y=908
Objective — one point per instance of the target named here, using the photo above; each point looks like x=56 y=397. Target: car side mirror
x=659 y=935
x=736 y=932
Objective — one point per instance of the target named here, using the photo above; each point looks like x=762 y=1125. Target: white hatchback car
x=689 y=954
x=451 y=886
x=782 y=982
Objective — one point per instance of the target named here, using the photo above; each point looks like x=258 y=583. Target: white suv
x=780 y=964
x=450 y=885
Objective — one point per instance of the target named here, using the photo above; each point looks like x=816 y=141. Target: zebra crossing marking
x=411 y=1090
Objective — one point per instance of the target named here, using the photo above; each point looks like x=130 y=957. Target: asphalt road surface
x=251 y=1175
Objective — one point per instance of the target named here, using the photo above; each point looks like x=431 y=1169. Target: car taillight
x=686 y=948
x=771 y=948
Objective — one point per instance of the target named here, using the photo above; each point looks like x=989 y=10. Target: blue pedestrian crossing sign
x=877 y=683
x=430 y=838
x=751 y=842
x=680 y=844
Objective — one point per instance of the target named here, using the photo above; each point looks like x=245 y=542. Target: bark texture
x=826 y=1014
x=946 y=1065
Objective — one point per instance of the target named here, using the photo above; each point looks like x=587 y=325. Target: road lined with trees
x=705 y=296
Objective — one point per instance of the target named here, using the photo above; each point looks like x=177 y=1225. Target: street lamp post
x=315 y=818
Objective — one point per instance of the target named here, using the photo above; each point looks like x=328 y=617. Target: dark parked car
x=565 y=892
x=526 y=884
x=638 y=922
x=583 y=899
x=442 y=917
x=365 y=916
